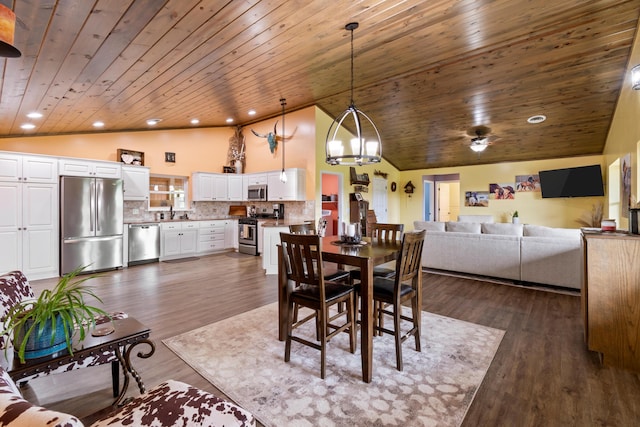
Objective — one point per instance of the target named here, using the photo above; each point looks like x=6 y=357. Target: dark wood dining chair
x=303 y=266
x=333 y=274
x=390 y=294
x=382 y=233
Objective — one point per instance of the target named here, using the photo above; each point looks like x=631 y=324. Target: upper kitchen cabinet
x=252 y=179
x=234 y=187
x=210 y=186
x=97 y=169
x=136 y=182
x=27 y=168
x=292 y=190
x=166 y=191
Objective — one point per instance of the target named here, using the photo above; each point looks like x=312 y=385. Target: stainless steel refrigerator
x=91 y=223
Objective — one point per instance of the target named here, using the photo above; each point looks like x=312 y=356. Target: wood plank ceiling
x=428 y=72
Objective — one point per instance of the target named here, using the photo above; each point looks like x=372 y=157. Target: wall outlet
x=136 y=211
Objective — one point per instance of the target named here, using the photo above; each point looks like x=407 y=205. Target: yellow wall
x=533 y=209
x=624 y=133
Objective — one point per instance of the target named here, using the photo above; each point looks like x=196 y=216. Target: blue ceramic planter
x=40 y=344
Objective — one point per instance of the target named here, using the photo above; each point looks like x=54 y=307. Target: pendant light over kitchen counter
x=283 y=175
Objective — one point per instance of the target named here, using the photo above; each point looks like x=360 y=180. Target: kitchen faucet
x=172 y=214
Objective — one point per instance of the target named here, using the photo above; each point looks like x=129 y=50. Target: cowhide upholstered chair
x=14 y=288
x=171 y=403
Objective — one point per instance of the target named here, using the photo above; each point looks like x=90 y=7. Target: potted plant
x=46 y=325
x=515 y=218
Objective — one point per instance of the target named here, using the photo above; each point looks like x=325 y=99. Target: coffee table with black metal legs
x=128 y=334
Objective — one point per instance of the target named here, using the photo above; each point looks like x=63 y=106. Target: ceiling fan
x=480 y=138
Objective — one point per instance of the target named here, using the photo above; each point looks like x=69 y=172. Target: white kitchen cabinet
x=231 y=234
x=292 y=190
x=80 y=167
x=234 y=186
x=178 y=239
x=271 y=240
x=28 y=168
x=211 y=236
x=136 y=182
x=29 y=229
x=210 y=186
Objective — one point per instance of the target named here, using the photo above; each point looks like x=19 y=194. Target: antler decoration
x=272 y=137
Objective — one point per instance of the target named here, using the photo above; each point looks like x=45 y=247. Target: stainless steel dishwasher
x=144 y=243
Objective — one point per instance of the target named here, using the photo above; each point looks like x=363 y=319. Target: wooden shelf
x=358 y=179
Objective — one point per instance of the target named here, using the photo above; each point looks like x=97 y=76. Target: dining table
x=364 y=256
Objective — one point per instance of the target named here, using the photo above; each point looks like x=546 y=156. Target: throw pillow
x=429 y=225
x=463 y=227
x=502 y=228
x=542 y=231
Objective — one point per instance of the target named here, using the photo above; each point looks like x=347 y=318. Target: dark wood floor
x=542 y=374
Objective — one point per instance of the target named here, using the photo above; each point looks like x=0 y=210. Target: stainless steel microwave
x=257 y=193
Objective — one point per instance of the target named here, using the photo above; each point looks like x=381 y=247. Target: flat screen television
x=583 y=181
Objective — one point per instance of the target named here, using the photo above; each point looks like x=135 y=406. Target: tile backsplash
x=136 y=211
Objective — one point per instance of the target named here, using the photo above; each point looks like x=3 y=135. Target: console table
x=611 y=297
x=128 y=334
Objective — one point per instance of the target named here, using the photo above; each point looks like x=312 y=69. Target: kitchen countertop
x=280 y=223
x=219 y=218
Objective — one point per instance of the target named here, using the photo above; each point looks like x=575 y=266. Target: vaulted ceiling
x=428 y=72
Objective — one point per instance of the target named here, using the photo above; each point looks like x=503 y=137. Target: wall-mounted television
x=583 y=181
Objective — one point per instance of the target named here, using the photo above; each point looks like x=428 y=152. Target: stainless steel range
x=248 y=236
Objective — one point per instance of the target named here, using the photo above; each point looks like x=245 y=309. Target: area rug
x=243 y=358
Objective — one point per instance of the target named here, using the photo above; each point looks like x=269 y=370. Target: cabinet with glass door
x=167 y=191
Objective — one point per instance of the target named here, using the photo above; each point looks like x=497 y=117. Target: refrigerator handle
x=97 y=198
x=92 y=208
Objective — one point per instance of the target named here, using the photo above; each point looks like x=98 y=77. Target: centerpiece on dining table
x=351 y=233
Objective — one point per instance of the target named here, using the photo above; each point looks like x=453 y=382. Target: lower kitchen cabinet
x=29 y=229
x=211 y=236
x=231 y=234
x=271 y=240
x=178 y=239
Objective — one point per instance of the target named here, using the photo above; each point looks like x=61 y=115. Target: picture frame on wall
x=528 y=183
x=130 y=157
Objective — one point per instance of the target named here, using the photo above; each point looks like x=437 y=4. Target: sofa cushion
x=542 y=231
x=475 y=218
x=553 y=261
x=502 y=228
x=463 y=227
x=429 y=225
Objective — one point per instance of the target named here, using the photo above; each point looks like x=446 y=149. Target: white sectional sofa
x=523 y=253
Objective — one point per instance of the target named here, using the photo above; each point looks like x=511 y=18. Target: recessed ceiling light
x=98 y=124
x=195 y=121
x=539 y=118
x=28 y=126
x=153 y=122
x=34 y=115
x=252 y=112
x=229 y=120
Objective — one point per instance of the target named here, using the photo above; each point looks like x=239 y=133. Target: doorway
x=441 y=198
x=331 y=201
x=380 y=199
